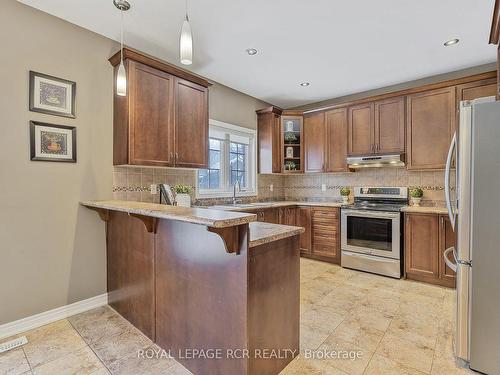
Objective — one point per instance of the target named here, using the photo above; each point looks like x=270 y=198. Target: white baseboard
x=38 y=320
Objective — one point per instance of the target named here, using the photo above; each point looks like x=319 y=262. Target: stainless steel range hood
x=392 y=160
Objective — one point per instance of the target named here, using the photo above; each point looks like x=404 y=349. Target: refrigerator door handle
x=447 y=260
x=451 y=214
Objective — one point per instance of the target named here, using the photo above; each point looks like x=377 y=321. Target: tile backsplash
x=133 y=183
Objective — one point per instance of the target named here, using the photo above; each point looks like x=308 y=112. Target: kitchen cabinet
x=360 y=129
x=427 y=236
x=325 y=233
x=389 y=131
x=477 y=89
x=304 y=220
x=293 y=140
x=269 y=140
x=314 y=142
x=287 y=215
x=163 y=119
x=430 y=125
x=336 y=140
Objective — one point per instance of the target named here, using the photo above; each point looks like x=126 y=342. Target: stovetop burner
x=376 y=206
x=389 y=199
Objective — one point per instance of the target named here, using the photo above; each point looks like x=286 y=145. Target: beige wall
x=52 y=251
x=233 y=107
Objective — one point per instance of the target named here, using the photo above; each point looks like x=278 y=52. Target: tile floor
x=396 y=327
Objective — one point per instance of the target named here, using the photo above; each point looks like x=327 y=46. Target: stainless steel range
x=371 y=230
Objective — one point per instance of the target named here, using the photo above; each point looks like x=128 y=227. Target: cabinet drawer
x=325 y=213
x=326 y=231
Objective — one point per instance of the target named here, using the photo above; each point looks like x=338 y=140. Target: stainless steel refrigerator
x=474 y=209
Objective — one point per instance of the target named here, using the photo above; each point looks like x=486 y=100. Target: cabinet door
x=360 y=130
x=325 y=234
x=336 y=140
x=191 y=124
x=430 y=126
x=303 y=219
x=475 y=90
x=271 y=215
x=314 y=142
x=269 y=142
x=446 y=240
x=151 y=99
x=390 y=125
x=421 y=246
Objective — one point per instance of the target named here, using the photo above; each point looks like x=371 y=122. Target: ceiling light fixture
x=451 y=42
x=186 y=42
x=305 y=84
x=121 y=76
x=251 y=51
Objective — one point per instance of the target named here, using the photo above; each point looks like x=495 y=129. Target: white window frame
x=226 y=189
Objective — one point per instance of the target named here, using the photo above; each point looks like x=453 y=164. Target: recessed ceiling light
x=251 y=51
x=305 y=84
x=451 y=42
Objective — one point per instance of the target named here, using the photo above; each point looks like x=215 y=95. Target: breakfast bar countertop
x=261 y=233
x=204 y=216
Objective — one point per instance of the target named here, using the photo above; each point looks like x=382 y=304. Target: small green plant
x=345 y=191
x=416 y=193
x=183 y=189
x=290 y=137
x=290 y=166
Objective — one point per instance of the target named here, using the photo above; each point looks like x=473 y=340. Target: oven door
x=371 y=232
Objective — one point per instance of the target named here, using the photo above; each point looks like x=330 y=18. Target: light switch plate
x=152 y=189
x=323 y=187
x=271 y=187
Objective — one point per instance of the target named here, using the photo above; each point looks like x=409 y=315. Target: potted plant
x=345 y=192
x=416 y=195
x=182 y=197
x=290 y=166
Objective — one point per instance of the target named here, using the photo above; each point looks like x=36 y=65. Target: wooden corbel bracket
x=232 y=237
x=103 y=213
x=151 y=223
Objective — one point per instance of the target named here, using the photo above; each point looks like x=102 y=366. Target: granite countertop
x=204 y=216
x=265 y=205
x=428 y=210
x=261 y=233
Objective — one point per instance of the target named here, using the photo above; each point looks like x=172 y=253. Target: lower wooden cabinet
x=287 y=215
x=427 y=236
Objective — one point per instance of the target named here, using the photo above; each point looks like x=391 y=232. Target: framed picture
x=52 y=95
x=50 y=142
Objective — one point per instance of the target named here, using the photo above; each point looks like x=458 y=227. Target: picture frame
x=50 y=142
x=52 y=95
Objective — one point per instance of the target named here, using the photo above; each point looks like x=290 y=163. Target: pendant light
x=186 y=42
x=121 y=76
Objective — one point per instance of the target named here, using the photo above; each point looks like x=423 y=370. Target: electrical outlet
x=152 y=189
x=12 y=344
x=323 y=187
x=271 y=187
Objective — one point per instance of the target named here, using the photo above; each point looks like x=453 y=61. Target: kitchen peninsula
x=195 y=279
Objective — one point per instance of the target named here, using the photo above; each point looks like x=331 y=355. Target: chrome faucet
x=237 y=183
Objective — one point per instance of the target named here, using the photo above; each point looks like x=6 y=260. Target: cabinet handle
x=176 y=156
x=442 y=221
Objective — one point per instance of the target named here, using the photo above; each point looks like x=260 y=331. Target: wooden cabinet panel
x=390 y=125
x=303 y=219
x=269 y=140
x=314 y=142
x=421 y=244
x=430 y=125
x=191 y=124
x=361 y=129
x=336 y=140
x=151 y=98
x=287 y=215
x=475 y=90
x=271 y=215
x=446 y=240
x=325 y=236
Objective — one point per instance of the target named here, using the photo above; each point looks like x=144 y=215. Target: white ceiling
x=340 y=46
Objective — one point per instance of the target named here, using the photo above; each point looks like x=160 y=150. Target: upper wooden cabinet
x=377 y=127
x=361 y=130
x=163 y=119
x=336 y=140
x=477 y=89
x=314 y=142
x=390 y=126
x=430 y=126
x=269 y=140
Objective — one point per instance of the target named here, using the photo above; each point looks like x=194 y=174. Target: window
x=231 y=160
